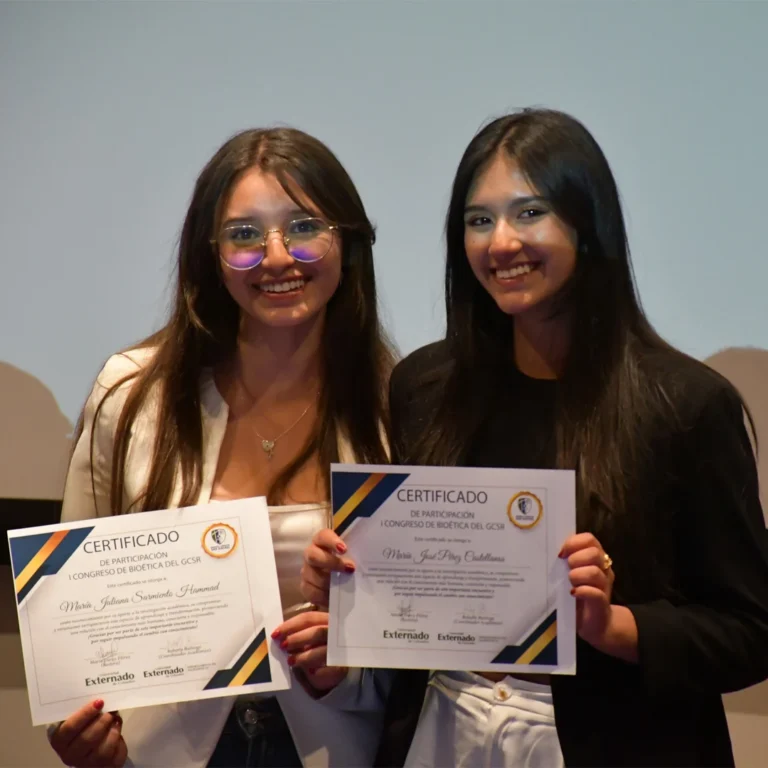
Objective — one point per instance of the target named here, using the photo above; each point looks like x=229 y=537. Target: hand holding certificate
x=456 y=569
x=148 y=608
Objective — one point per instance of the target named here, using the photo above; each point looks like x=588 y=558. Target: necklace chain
x=268 y=446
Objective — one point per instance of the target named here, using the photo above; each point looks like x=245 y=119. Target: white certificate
x=148 y=608
x=457 y=569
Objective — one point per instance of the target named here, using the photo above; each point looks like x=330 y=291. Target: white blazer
x=341 y=729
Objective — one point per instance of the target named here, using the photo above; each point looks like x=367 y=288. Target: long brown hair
x=609 y=408
x=204 y=322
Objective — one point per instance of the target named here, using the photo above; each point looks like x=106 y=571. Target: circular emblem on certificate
x=219 y=540
x=525 y=510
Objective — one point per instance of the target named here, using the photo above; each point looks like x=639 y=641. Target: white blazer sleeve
x=362 y=690
x=87 y=488
x=341 y=729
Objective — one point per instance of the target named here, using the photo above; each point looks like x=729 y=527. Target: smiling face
x=519 y=249
x=280 y=291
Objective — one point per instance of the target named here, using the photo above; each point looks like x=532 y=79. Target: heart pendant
x=268 y=446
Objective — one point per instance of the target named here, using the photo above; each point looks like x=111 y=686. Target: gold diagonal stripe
x=541 y=643
x=42 y=555
x=357 y=498
x=247 y=669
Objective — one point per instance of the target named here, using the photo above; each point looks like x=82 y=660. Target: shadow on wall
x=34 y=452
x=747 y=369
x=36 y=438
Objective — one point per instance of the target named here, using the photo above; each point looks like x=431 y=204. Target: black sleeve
x=403 y=707
x=716 y=638
x=398 y=414
x=413 y=389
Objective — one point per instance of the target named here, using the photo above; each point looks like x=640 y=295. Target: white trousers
x=470 y=722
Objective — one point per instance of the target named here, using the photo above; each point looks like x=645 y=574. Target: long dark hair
x=203 y=327
x=608 y=404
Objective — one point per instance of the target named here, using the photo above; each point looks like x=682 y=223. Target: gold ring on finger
x=607 y=562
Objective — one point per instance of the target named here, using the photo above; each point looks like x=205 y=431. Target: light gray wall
x=109 y=110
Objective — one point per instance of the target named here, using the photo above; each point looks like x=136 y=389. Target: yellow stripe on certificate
x=250 y=666
x=529 y=656
x=37 y=561
x=357 y=498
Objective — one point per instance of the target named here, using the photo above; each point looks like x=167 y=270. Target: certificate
x=457 y=569
x=148 y=608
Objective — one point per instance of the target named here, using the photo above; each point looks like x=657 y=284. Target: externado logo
x=164 y=672
x=525 y=510
x=126 y=677
x=406 y=634
x=219 y=540
x=462 y=638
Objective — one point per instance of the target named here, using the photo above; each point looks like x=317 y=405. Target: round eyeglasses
x=242 y=246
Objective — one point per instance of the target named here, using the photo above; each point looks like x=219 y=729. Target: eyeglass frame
x=286 y=241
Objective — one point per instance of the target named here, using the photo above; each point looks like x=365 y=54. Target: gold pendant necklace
x=268 y=446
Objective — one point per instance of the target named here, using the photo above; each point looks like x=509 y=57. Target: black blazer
x=702 y=633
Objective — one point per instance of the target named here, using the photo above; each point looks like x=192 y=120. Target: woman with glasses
x=549 y=362
x=273 y=364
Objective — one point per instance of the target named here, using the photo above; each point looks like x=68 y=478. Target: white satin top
x=292 y=530
x=342 y=728
x=293 y=526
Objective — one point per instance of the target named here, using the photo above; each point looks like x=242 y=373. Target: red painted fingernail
x=284 y=645
x=573 y=591
x=341 y=547
x=275 y=634
x=560 y=553
x=98 y=704
x=349 y=568
x=311 y=671
x=291 y=661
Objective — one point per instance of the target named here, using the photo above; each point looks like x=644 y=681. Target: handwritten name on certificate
x=148 y=608
x=457 y=569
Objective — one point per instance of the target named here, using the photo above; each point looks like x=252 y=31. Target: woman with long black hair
x=549 y=362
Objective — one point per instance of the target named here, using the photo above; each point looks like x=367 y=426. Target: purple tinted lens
x=306 y=253
x=244 y=259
